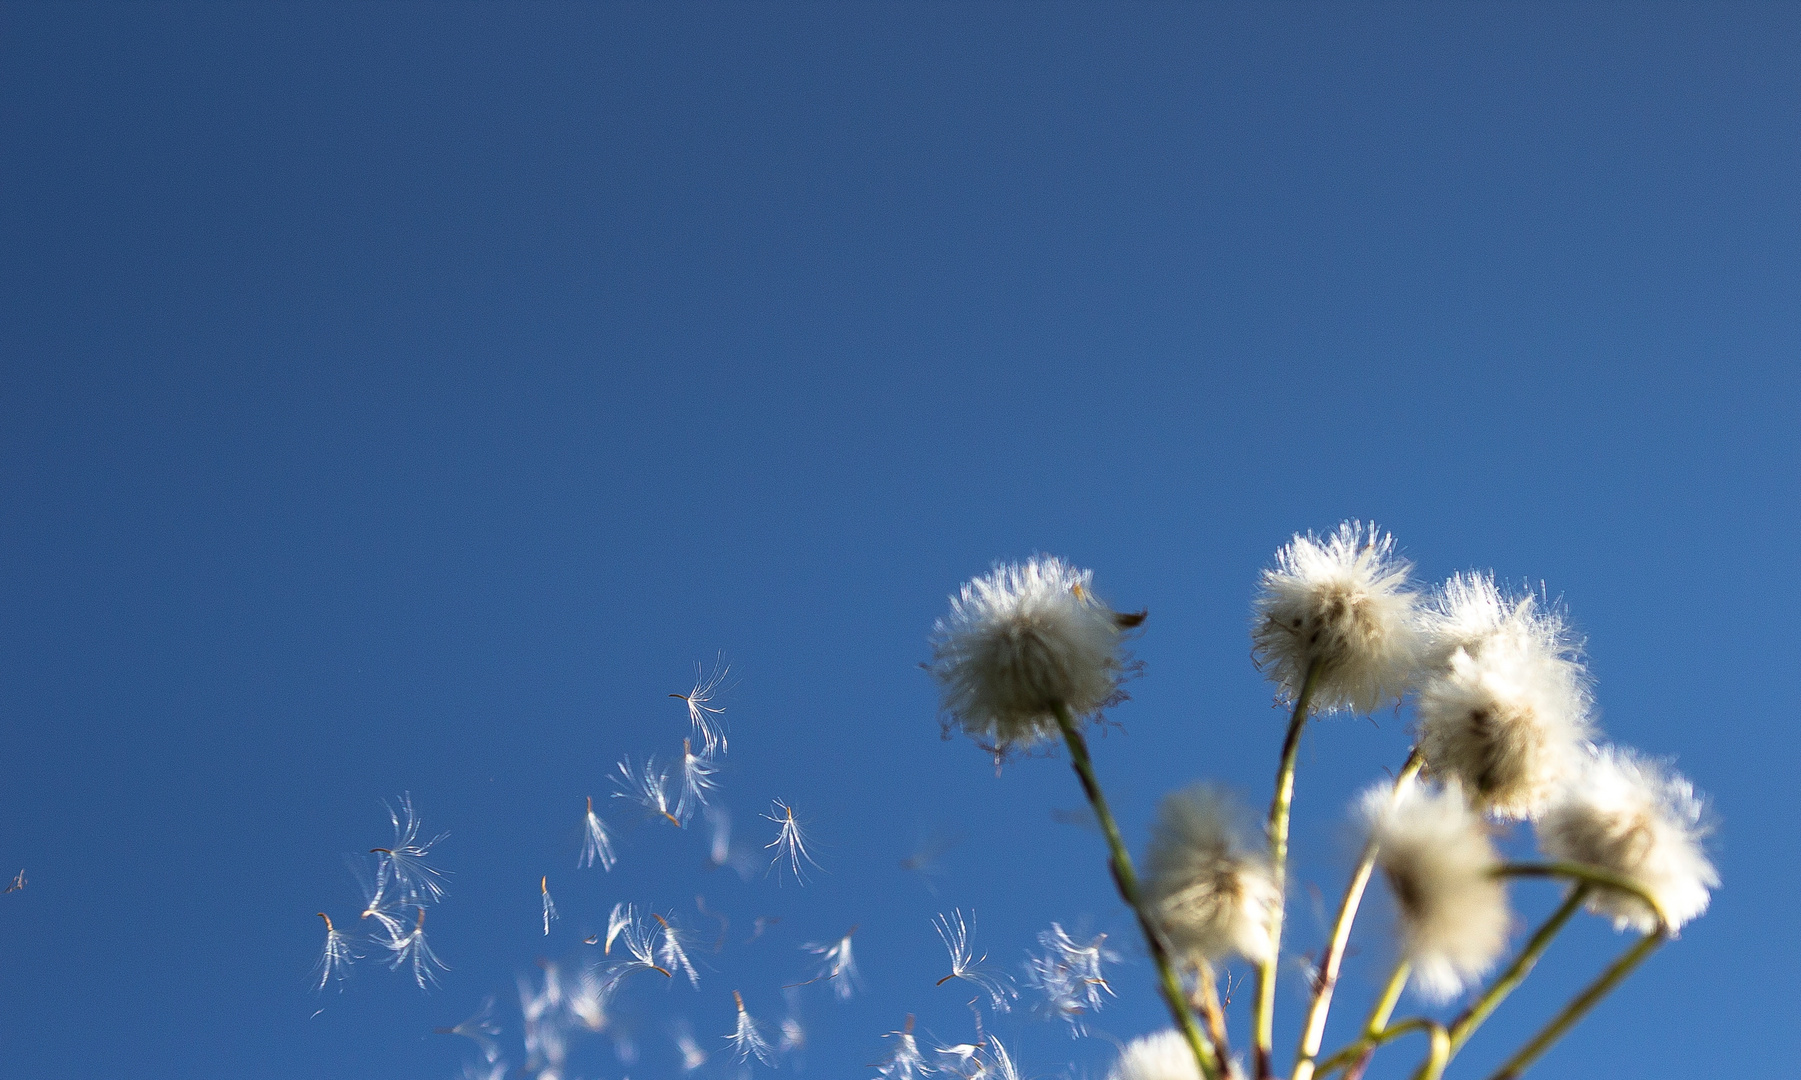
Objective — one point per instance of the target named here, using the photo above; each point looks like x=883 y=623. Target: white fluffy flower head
x=1507 y=712
x=1162 y=1055
x=1210 y=893
x=1435 y=853
x=1640 y=820
x=1021 y=642
x=1339 y=605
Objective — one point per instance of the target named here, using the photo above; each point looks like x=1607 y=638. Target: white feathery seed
x=747 y=1038
x=1341 y=606
x=1021 y=642
x=967 y=966
x=1641 y=820
x=336 y=958
x=1210 y=891
x=1507 y=710
x=1435 y=852
x=597 y=846
x=1162 y=1055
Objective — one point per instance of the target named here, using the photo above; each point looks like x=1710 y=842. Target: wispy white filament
x=747 y=1039
x=1209 y=890
x=837 y=966
x=969 y=967
x=597 y=846
x=1341 y=606
x=790 y=842
x=1020 y=643
x=707 y=719
x=415 y=881
x=1068 y=978
x=1437 y=857
x=339 y=954
x=1638 y=819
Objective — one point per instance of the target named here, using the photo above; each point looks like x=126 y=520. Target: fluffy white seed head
x=1021 y=642
x=1437 y=858
x=1640 y=820
x=1210 y=893
x=1507 y=710
x=1339 y=604
x=1162 y=1055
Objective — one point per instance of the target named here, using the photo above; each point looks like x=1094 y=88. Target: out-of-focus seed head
x=1436 y=855
x=1021 y=642
x=1210 y=893
x=1161 y=1055
x=1638 y=819
x=1339 y=605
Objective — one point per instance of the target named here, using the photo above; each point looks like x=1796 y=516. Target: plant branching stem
x=1313 y=1029
x=1358 y=1051
x=1263 y=1018
x=1579 y=1006
x=1466 y=1024
x=1126 y=879
x=1592 y=875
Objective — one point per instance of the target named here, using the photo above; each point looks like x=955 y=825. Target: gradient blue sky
x=406 y=397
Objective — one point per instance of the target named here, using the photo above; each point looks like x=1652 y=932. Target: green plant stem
x=1437 y=1057
x=1391 y=996
x=1375 y=1029
x=1466 y=1024
x=1313 y=1029
x=1579 y=1006
x=1264 y=1014
x=1592 y=875
x=1126 y=879
x=1362 y=1046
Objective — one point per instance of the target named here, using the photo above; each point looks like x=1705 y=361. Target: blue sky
x=406 y=398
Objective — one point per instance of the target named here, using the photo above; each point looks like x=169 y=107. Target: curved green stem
x=1368 y=1044
x=1579 y=1006
x=1466 y=1024
x=1376 y=1030
x=1126 y=879
x=1438 y=1056
x=1592 y=875
x=1263 y=1016
x=1390 y=997
x=1313 y=1029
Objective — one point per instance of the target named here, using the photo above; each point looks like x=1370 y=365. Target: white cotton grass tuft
x=1640 y=820
x=1162 y=1055
x=1210 y=892
x=1339 y=605
x=1506 y=709
x=1435 y=852
x=1021 y=643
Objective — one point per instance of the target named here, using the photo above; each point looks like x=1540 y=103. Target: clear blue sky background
x=406 y=397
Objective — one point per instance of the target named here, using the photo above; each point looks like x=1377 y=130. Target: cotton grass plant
x=1029 y=654
x=1026 y=659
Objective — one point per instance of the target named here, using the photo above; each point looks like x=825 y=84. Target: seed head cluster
x=1340 y=607
x=1210 y=893
x=1019 y=644
x=1507 y=712
x=1436 y=855
x=1641 y=821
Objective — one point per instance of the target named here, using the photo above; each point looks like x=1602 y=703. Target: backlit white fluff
x=1640 y=820
x=1162 y=1055
x=1209 y=892
x=1437 y=858
x=1507 y=710
x=1020 y=642
x=1340 y=604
